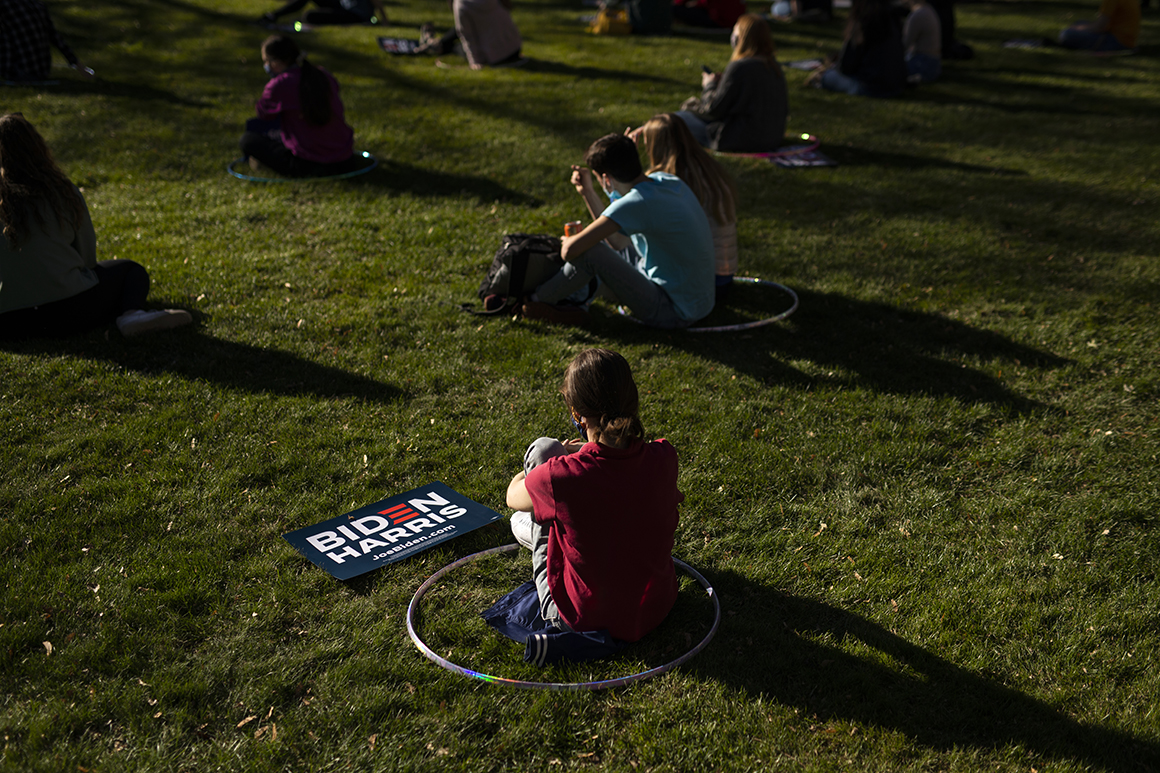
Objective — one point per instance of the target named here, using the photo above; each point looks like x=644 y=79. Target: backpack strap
x=518 y=272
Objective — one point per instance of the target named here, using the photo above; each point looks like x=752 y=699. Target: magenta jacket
x=325 y=144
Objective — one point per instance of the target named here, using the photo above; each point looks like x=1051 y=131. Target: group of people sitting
x=665 y=245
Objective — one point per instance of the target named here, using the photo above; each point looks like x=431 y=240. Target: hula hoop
x=413 y=609
x=249 y=178
x=812 y=144
x=740 y=325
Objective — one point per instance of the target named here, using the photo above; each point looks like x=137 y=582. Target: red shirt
x=611 y=516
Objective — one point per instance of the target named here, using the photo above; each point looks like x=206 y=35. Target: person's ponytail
x=313 y=84
x=314 y=93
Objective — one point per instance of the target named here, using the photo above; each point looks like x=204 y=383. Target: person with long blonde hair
x=670 y=147
x=743 y=109
x=51 y=283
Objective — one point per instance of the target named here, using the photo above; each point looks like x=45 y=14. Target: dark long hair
x=869 y=20
x=598 y=385
x=28 y=177
x=313 y=85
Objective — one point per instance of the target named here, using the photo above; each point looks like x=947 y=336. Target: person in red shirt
x=599 y=513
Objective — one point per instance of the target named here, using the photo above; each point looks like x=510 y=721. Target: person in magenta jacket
x=599 y=513
x=301 y=130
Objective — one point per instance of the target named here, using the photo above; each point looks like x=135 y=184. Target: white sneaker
x=135 y=322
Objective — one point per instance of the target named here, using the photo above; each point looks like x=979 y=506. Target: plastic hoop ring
x=250 y=178
x=740 y=325
x=413 y=609
x=812 y=144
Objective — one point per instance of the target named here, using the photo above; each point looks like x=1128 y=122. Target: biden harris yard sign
x=390 y=530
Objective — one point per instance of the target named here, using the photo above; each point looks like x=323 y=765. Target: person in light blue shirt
x=651 y=248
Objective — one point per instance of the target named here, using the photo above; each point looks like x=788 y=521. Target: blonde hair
x=671 y=148
x=754 y=41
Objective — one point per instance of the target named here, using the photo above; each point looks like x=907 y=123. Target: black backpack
x=522 y=263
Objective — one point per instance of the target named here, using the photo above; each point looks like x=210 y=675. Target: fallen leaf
x=247 y=720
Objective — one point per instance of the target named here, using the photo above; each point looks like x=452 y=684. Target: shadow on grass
x=400 y=177
x=547 y=67
x=74 y=86
x=1050 y=99
x=850 y=155
x=901 y=688
x=876 y=345
x=191 y=355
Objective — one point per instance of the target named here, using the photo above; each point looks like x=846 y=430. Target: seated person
x=922 y=39
x=742 y=110
x=721 y=14
x=26 y=34
x=1115 y=28
x=668 y=281
x=51 y=283
x=649 y=17
x=485 y=30
x=332 y=12
x=951 y=47
x=873 y=61
x=313 y=139
x=670 y=147
x=599 y=513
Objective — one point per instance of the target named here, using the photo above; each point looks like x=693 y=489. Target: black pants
x=328 y=12
x=122 y=285
x=271 y=152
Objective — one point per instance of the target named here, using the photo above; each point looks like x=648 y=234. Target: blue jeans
x=534 y=537
x=834 y=80
x=1087 y=40
x=926 y=67
x=621 y=278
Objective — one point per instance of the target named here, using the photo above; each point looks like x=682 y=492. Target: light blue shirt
x=669 y=229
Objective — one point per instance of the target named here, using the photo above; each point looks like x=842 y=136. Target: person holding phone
x=742 y=110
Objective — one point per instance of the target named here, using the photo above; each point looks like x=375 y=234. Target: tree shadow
x=876 y=345
x=851 y=155
x=593 y=73
x=400 y=177
x=192 y=355
x=112 y=88
x=807 y=663
x=1045 y=98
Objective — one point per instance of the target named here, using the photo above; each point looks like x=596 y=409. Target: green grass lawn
x=928 y=501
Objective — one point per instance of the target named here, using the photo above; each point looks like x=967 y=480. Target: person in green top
x=51 y=283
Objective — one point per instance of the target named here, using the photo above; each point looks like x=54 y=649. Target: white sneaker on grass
x=138 y=321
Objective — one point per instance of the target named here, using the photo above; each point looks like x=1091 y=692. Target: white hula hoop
x=413 y=610
x=740 y=325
